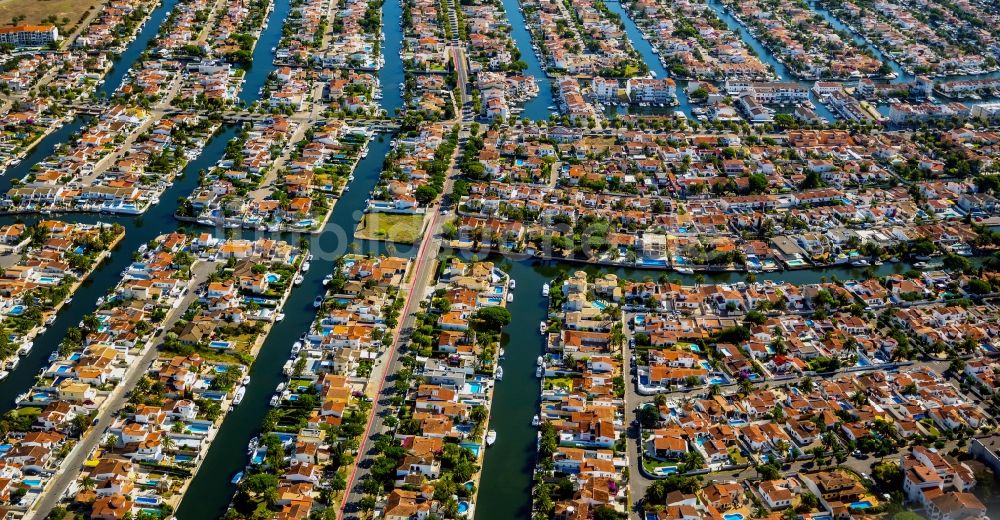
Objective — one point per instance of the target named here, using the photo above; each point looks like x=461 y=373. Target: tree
x=425 y=194
x=493 y=318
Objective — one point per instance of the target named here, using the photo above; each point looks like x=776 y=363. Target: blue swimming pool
x=733 y=516
x=471 y=446
x=463 y=507
x=221 y=344
x=863 y=504
x=474 y=388
x=180 y=457
x=600 y=305
x=16 y=310
x=32 y=482
x=272 y=277
x=147 y=501
x=198 y=428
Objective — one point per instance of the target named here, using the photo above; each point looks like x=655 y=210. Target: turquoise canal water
x=263 y=56
x=537 y=107
x=390 y=77
x=120 y=69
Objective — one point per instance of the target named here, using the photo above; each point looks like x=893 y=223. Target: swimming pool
x=600 y=305
x=48 y=280
x=471 y=446
x=147 y=501
x=221 y=344
x=463 y=507
x=733 y=516
x=272 y=277
x=737 y=422
x=198 y=428
x=498 y=290
x=16 y=310
x=180 y=457
x=862 y=504
x=32 y=482
x=473 y=388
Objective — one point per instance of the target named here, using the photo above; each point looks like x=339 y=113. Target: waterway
x=505 y=488
x=159 y=219
x=651 y=58
x=767 y=57
x=390 y=76
x=263 y=56
x=536 y=108
x=211 y=491
x=40 y=152
x=124 y=63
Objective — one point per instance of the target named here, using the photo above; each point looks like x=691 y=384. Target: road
x=73 y=464
x=421 y=277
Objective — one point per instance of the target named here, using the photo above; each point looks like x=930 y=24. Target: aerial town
x=500 y=259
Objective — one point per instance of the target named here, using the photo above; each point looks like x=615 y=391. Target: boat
x=920 y=265
x=245 y=380
x=539 y=372
x=318 y=301
x=540 y=361
x=53 y=356
x=860 y=263
x=237 y=478
x=542 y=327
x=14 y=361
x=501 y=353
x=535 y=421
x=327 y=279
x=684 y=270
x=491 y=437
x=309 y=257
x=545 y=290
x=238 y=396
x=297 y=346
x=510 y=297
x=68 y=300
x=278 y=317
x=4 y=374
x=499 y=374
x=298 y=279
x=275 y=400
x=512 y=283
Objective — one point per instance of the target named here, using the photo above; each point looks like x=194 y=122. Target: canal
x=211 y=491
x=390 y=76
x=505 y=488
x=651 y=58
x=40 y=152
x=114 y=78
x=536 y=108
x=138 y=230
x=263 y=52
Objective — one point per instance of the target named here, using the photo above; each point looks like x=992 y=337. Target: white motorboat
x=318 y=302
x=512 y=283
x=540 y=361
x=535 y=421
x=542 y=327
x=278 y=317
x=860 y=263
x=684 y=270
x=501 y=353
x=539 y=372
x=238 y=396
x=499 y=374
x=298 y=279
x=545 y=290
x=53 y=356
x=510 y=297
x=305 y=266
x=327 y=279
x=246 y=380
x=275 y=400
x=491 y=437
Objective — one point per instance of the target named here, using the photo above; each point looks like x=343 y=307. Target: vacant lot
x=34 y=11
x=391 y=227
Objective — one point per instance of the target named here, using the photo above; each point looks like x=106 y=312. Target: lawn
x=391 y=227
x=34 y=11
